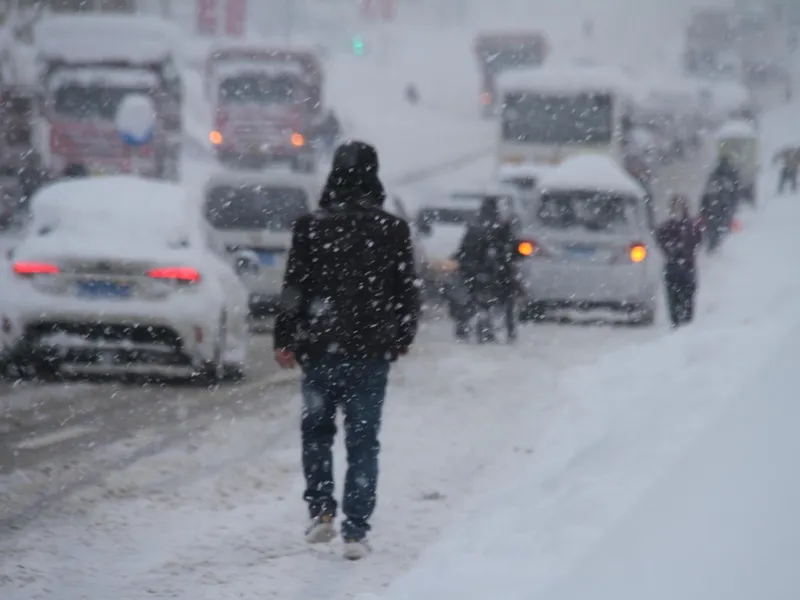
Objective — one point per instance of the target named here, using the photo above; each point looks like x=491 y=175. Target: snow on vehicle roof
x=236 y=68
x=736 y=129
x=107 y=208
x=566 y=79
x=509 y=171
x=591 y=172
x=728 y=94
x=128 y=78
x=85 y=38
x=257 y=45
x=310 y=183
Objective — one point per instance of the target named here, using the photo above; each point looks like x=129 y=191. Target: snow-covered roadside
x=622 y=422
x=723 y=523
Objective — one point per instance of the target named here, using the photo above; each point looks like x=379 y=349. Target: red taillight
x=35 y=268
x=184 y=274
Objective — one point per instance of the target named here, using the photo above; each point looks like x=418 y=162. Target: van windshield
x=255 y=207
x=558 y=119
x=592 y=211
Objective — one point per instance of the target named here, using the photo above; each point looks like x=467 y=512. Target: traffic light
x=358 y=45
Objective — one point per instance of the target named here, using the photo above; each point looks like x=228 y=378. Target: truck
x=267 y=104
x=500 y=52
x=88 y=65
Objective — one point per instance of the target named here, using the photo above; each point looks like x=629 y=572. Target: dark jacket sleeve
x=406 y=302
x=294 y=294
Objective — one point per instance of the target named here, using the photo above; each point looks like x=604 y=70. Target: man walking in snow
x=349 y=308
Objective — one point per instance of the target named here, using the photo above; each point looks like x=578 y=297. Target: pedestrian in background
x=680 y=238
x=349 y=309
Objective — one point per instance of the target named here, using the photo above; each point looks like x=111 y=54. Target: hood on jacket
x=354 y=176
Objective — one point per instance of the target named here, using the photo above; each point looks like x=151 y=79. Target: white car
x=253 y=214
x=590 y=246
x=121 y=275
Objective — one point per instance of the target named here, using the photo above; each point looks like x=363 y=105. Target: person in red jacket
x=680 y=238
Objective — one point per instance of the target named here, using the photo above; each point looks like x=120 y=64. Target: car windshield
x=91 y=102
x=499 y=59
x=431 y=217
x=593 y=211
x=255 y=207
x=558 y=119
x=258 y=88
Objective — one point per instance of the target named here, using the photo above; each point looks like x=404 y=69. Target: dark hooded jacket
x=350 y=288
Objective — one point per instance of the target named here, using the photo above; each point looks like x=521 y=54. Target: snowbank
x=723 y=524
x=625 y=419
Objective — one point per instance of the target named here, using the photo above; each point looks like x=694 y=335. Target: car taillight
x=28 y=269
x=637 y=253
x=215 y=137
x=179 y=274
x=298 y=140
x=528 y=248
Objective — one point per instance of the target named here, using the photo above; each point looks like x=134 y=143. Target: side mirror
x=247 y=263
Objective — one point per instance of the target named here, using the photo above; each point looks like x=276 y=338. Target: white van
x=552 y=113
x=253 y=214
x=590 y=245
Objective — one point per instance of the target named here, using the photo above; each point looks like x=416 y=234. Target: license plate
x=267 y=258
x=582 y=252
x=103 y=289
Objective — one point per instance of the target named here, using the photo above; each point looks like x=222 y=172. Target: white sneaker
x=356 y=549
x=320 y=530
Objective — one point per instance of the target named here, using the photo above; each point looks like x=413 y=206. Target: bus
x=551 y=114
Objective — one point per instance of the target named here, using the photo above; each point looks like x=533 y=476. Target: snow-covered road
x=186 y=493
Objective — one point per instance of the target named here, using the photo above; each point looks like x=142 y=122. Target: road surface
x=59 y=439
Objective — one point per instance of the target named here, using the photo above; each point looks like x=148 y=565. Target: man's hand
x=285 y=358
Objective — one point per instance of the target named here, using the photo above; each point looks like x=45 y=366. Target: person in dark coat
x=679 y=238
x=486 y=266
x=349 y=308
x=720 y=202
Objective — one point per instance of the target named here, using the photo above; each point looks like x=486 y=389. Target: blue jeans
x=359 y=387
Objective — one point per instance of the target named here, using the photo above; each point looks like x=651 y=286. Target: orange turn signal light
x=298 y=140
x=215 y=137
x=638 y=253
x=526 y=248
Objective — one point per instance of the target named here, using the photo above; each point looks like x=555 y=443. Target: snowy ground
x=175 y=492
